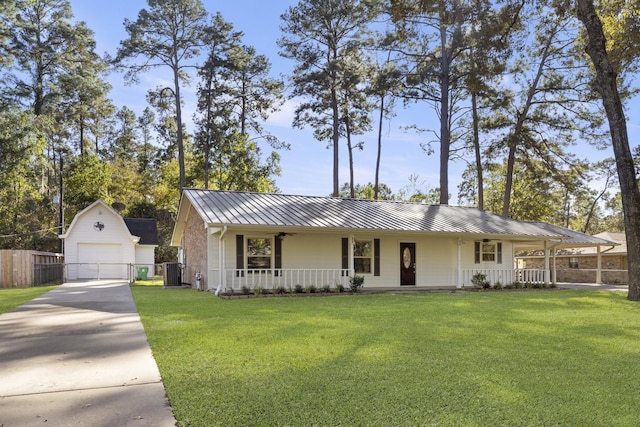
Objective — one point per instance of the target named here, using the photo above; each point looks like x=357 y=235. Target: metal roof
x=575 y=238
x=288 y=211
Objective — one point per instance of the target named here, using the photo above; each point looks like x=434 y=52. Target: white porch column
x=599 y=267
x=352 y=240
x=459 y=278
x=546 y=262
x=222 y=277
x=554 y=277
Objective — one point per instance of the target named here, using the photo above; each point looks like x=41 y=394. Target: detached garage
x=101 y=244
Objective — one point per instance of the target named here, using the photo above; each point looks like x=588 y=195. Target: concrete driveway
x=593 y=286
x=78 y=356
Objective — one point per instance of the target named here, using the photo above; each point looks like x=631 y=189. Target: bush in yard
x=311 y=289
x=298 y=289
x=280 y=290
x=326 y=288
x=498 y=285
x=339 y=288
x=479 y=280
x=356 y=283
x=258 y=290
x=246 y=290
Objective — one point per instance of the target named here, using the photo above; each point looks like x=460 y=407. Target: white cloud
x=284 y=117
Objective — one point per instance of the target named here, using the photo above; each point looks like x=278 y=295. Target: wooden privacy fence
x=24 y=268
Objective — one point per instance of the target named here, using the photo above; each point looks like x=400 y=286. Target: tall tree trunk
x=517 y=131
x=81 y=137
x=376 y=187
x=445 y=132
x=243 y=108
x=476 y=145
x=208 y=126
x=176 y=82
x=336 y=140
x=352 y=191
x=607 y=87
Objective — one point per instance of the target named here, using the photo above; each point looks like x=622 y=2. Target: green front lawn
x=11 y=298
x=539 y=358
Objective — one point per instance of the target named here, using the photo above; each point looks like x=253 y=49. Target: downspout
x=221 y=274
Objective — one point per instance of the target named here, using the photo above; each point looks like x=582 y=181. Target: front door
x=407 y=263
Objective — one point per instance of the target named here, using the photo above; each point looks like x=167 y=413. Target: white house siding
x=145 y=257
x=436 y=256
x=213 y=249
x=436 y=261
x=312 y=251
x=98 y=250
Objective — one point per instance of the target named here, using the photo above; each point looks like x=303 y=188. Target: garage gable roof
x=144 y=228
x=220 y=208
x=107 y=208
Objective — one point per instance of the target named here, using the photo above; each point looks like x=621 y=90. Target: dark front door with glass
x=407 y=263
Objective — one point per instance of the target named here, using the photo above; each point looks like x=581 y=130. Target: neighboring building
x=238 y=239
x=101 y=244
x=147 y=230
x=604 y=260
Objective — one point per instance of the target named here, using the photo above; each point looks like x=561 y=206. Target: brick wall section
x=195 y=247
x=586 y=271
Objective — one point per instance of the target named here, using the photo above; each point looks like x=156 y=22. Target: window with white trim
x=573 y=262
x=488 y=252
x=362 y=255
x=259 y=253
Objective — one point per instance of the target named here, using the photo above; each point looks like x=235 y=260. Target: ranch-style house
x=229 y=240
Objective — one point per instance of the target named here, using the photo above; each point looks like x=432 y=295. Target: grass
x=11 y=298
x=537 y=358
x=151 y=281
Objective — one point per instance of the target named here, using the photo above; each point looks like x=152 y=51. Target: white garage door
x=101 y=261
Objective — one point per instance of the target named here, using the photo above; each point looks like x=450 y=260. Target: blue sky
x=307 y=166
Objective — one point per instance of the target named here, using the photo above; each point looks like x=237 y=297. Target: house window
x=573 y=262
x=362 y=252
x=488 y=251
x=258 y=254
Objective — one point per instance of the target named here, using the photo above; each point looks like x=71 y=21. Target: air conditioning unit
x=172 y=274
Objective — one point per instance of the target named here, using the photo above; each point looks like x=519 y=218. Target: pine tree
x=169 y=34
x=317 y=35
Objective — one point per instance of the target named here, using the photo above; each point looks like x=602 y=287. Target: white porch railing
x=236 y=279
x=505 y=276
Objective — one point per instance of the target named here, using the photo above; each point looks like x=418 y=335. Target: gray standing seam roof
x=573 y=237
x=268 y=209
